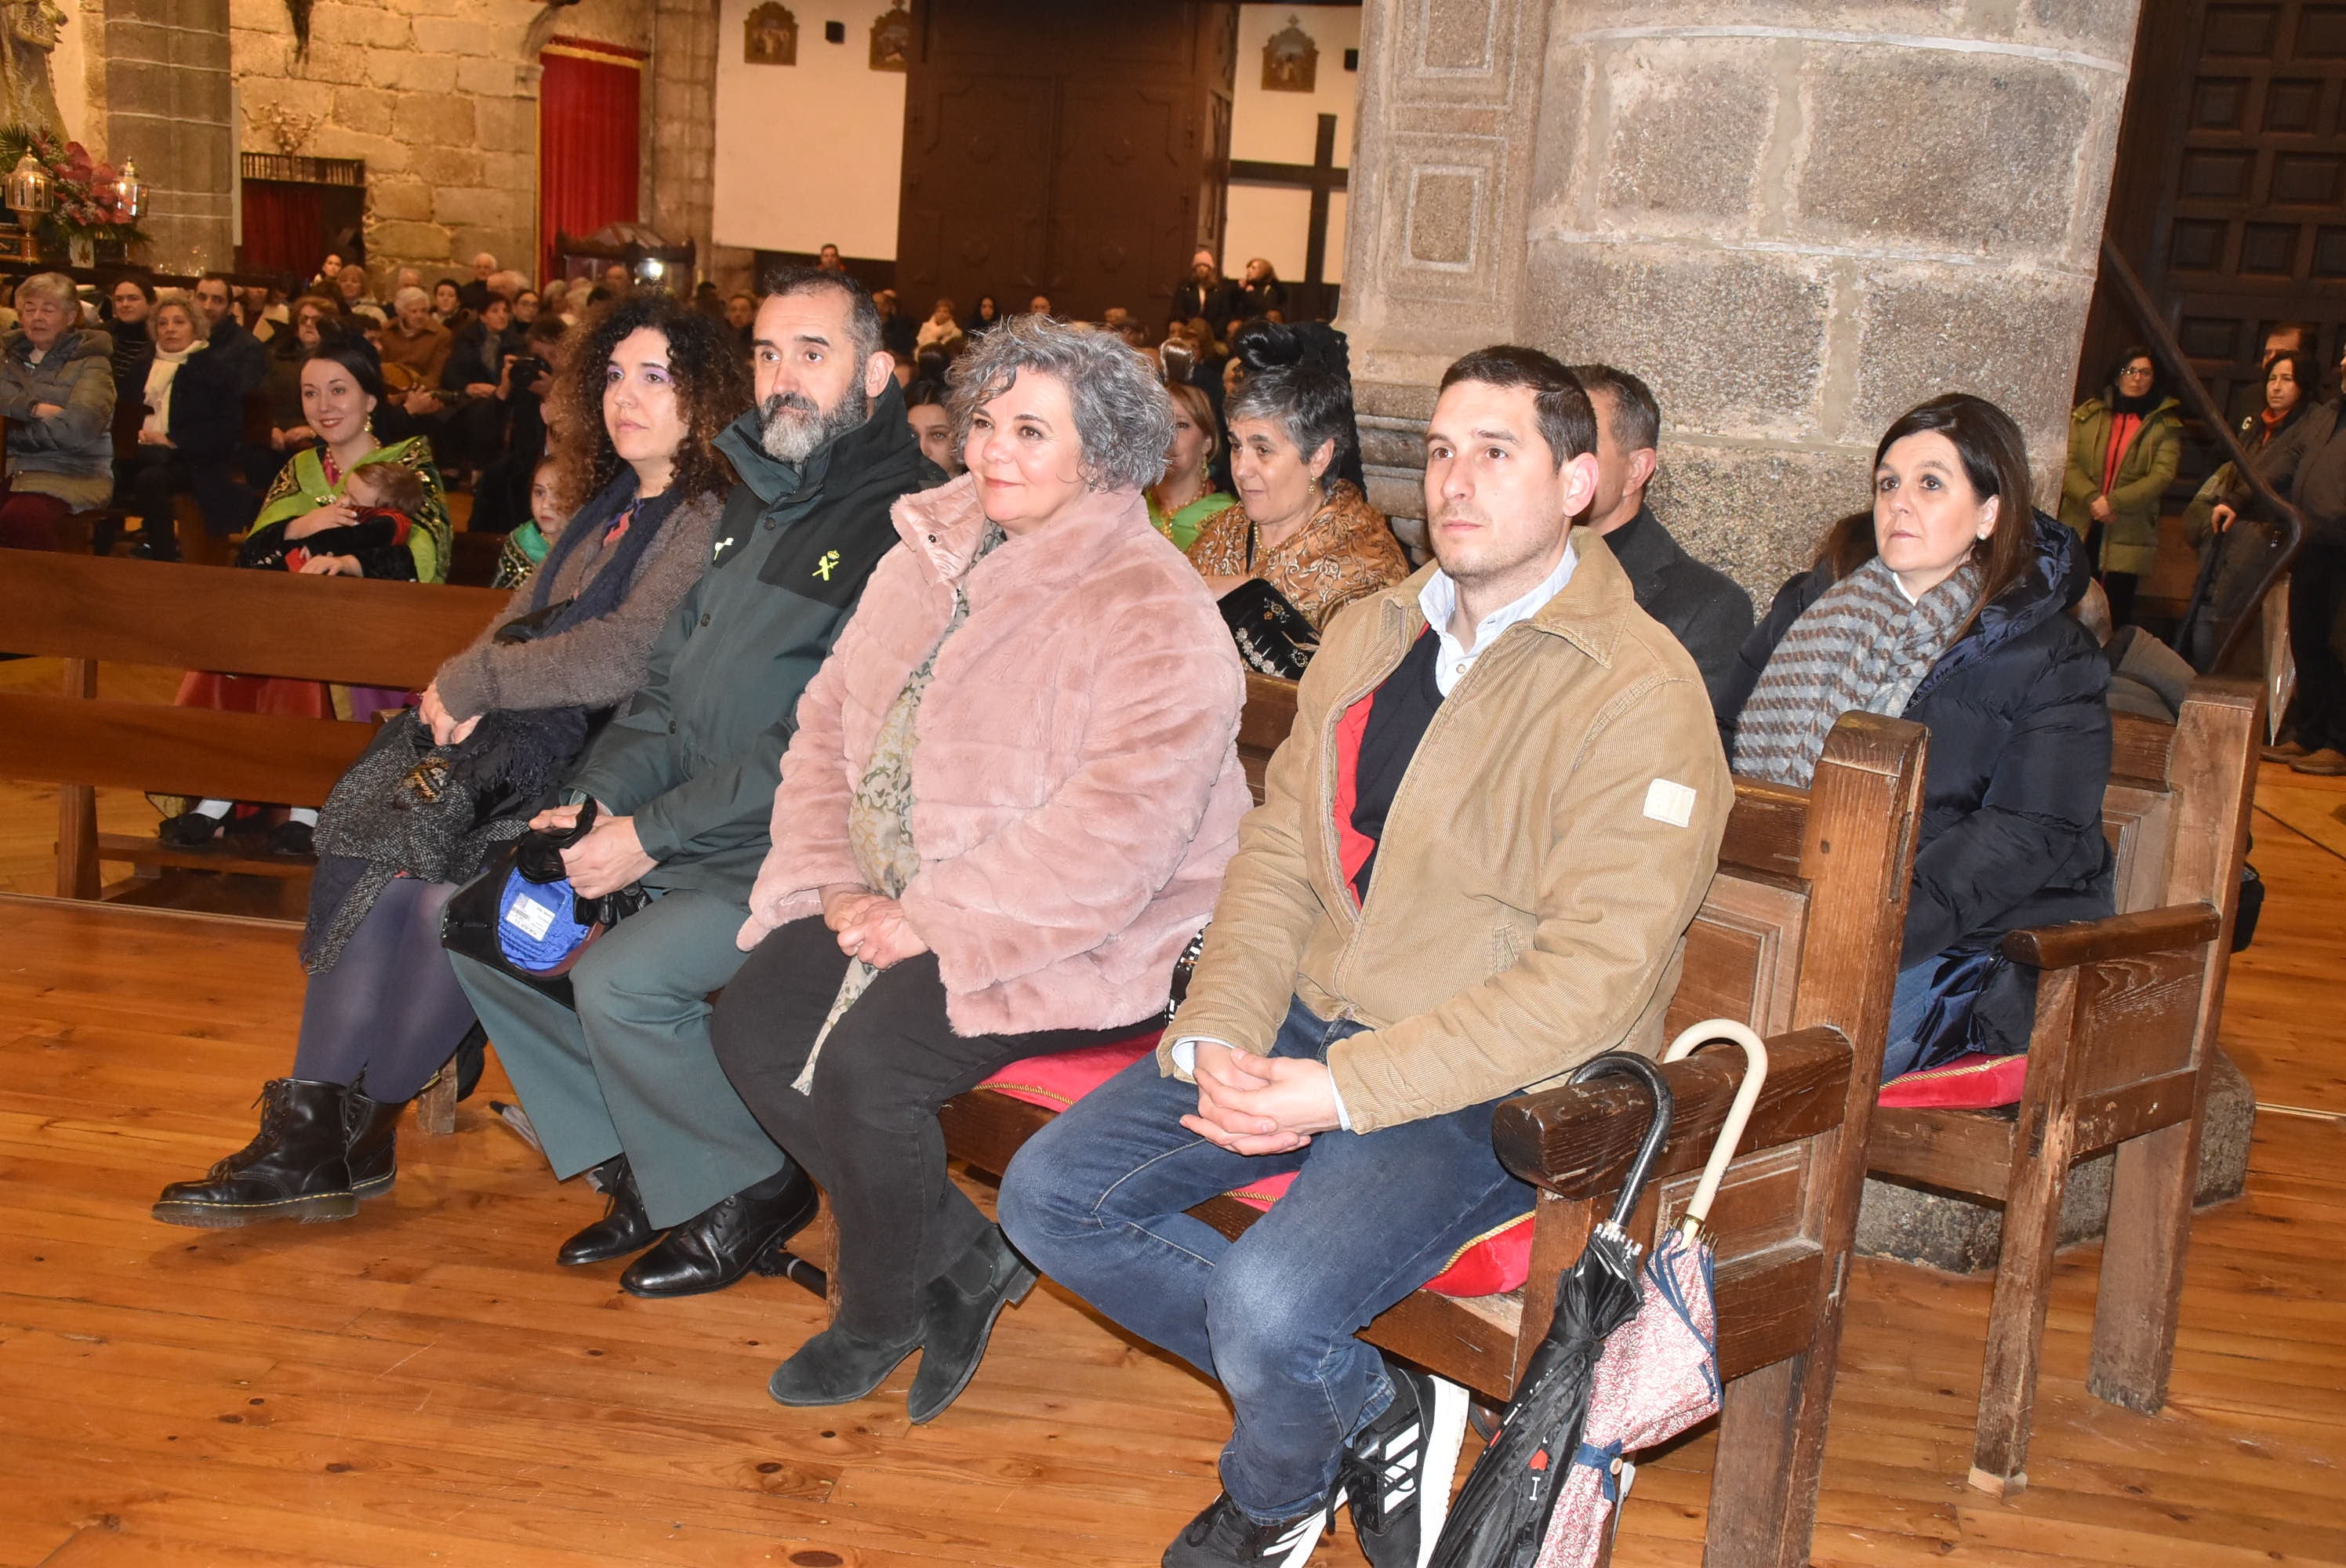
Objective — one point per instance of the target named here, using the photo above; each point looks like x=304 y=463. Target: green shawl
x=301 y=488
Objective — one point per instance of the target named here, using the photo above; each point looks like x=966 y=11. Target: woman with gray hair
x=56 y=393
x=1004 y=813
x=1307 y=536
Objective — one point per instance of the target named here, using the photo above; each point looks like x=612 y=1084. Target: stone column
x=680 y=134
x=1794 y=221
x=169 y=106
x=1441 y=197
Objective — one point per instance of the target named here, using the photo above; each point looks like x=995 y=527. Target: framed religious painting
x=770 y=37
x=1291 y=60
x=892 y=40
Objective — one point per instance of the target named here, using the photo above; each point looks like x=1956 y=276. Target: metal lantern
x=129 y=194
x=28 y=191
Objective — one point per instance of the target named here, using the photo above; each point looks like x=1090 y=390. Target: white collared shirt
x=1439 y=601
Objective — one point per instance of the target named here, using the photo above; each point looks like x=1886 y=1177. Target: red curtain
x=284 y=228
x=587 y=109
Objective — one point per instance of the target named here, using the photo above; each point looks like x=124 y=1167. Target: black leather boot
x=717 y=1246
x=957 y=1314
x=624 y=1227
x=370 y=1141
x=296 y=1167
x=837 y=1366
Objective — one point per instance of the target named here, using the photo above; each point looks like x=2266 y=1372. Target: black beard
x=794 y=427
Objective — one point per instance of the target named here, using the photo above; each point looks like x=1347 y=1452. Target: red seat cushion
x=1497 y=1261
x=1973 y=1082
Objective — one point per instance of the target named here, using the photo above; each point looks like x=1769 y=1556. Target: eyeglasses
x=2132 y=371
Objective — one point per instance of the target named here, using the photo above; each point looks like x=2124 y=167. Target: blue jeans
x=1096 y=1201
x=1930 y=1008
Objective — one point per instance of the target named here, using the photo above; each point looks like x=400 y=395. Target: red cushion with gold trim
x=1490 y=1264
x=1973 y=1082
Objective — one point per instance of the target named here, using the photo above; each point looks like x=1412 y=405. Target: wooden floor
x=422 y=1385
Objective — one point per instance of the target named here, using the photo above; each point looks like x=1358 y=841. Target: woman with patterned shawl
x=341 y=382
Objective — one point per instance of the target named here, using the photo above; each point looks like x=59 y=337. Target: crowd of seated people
x=894 y=706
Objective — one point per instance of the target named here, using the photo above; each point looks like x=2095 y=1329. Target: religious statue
x=770 y=37
x=1291 y=60
x=29 y=37
x=892 y=40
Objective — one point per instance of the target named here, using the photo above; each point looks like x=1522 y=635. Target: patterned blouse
x=1346 y=551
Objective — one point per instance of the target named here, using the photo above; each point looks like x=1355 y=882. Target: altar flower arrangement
x=86 y=202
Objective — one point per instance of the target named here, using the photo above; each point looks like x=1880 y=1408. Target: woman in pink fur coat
x=1006 y=810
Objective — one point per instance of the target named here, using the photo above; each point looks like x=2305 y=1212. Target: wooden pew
x=1799 y=937
x=87 y=611
x=2126 y=1014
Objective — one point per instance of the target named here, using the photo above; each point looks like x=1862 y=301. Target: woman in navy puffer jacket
x=2012 y=690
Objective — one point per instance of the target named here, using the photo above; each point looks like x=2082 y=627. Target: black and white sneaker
x=1397 y=1471
x=1224 y=1537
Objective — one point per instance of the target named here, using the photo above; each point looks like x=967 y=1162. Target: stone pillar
x=1440 y=200
x=1795 y=222
x=169 y=106
x=680 y=132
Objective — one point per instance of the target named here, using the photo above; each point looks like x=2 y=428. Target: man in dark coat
x=206 y=410
x=683 y=781
x=1702 y=606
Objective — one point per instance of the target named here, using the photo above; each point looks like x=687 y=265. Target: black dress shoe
x=624 y=1227
x=837 y=1366
x=290 y=839
x=296 y=1167
x=189 y=830
x=957 y=1314
x=717 y=1246
x=371 y=1142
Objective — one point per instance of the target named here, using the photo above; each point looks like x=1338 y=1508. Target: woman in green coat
x=2123 y=447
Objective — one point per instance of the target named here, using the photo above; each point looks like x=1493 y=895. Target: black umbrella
x=1501 y=1516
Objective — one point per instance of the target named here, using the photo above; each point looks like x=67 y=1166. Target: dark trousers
x=143 y=483
x=28 y=521
x=2317 y=615
x=1099 y=1200
x=868 y=1133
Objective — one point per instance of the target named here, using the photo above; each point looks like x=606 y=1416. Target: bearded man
x=683 y=782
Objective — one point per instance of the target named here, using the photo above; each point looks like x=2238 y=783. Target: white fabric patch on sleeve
x=1669 y=802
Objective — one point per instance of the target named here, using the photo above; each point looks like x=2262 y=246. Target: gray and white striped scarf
x=1862 y=647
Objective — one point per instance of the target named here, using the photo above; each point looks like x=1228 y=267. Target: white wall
x=812 y=153
x=1283 y=128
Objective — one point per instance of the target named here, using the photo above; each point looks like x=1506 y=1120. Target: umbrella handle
x=1739 y=1112
x=1629 y=1064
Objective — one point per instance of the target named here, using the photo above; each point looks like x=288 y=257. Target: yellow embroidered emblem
x=825 y=567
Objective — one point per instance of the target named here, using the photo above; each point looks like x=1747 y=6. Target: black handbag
x=521 y=916
x=1274 y=638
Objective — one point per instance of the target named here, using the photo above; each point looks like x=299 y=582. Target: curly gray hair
x=1124 y=419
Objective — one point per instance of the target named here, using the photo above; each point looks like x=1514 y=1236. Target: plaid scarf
x=1860 y=647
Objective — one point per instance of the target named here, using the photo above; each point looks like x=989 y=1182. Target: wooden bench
x=2127 y=1013
x=1799 y=937
x=85 y=610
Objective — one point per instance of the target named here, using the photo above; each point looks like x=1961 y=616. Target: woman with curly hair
x=652 y=386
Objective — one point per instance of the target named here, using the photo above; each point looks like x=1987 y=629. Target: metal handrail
x=2187 y=382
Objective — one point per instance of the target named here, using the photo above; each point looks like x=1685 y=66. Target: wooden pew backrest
x=86 y=610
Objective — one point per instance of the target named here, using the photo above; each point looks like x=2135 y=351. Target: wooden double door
x=2229 y=190
x=1065 y=149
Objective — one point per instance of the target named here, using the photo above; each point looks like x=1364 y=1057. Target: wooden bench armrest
x=1577 y=1141
x=2077 y=944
